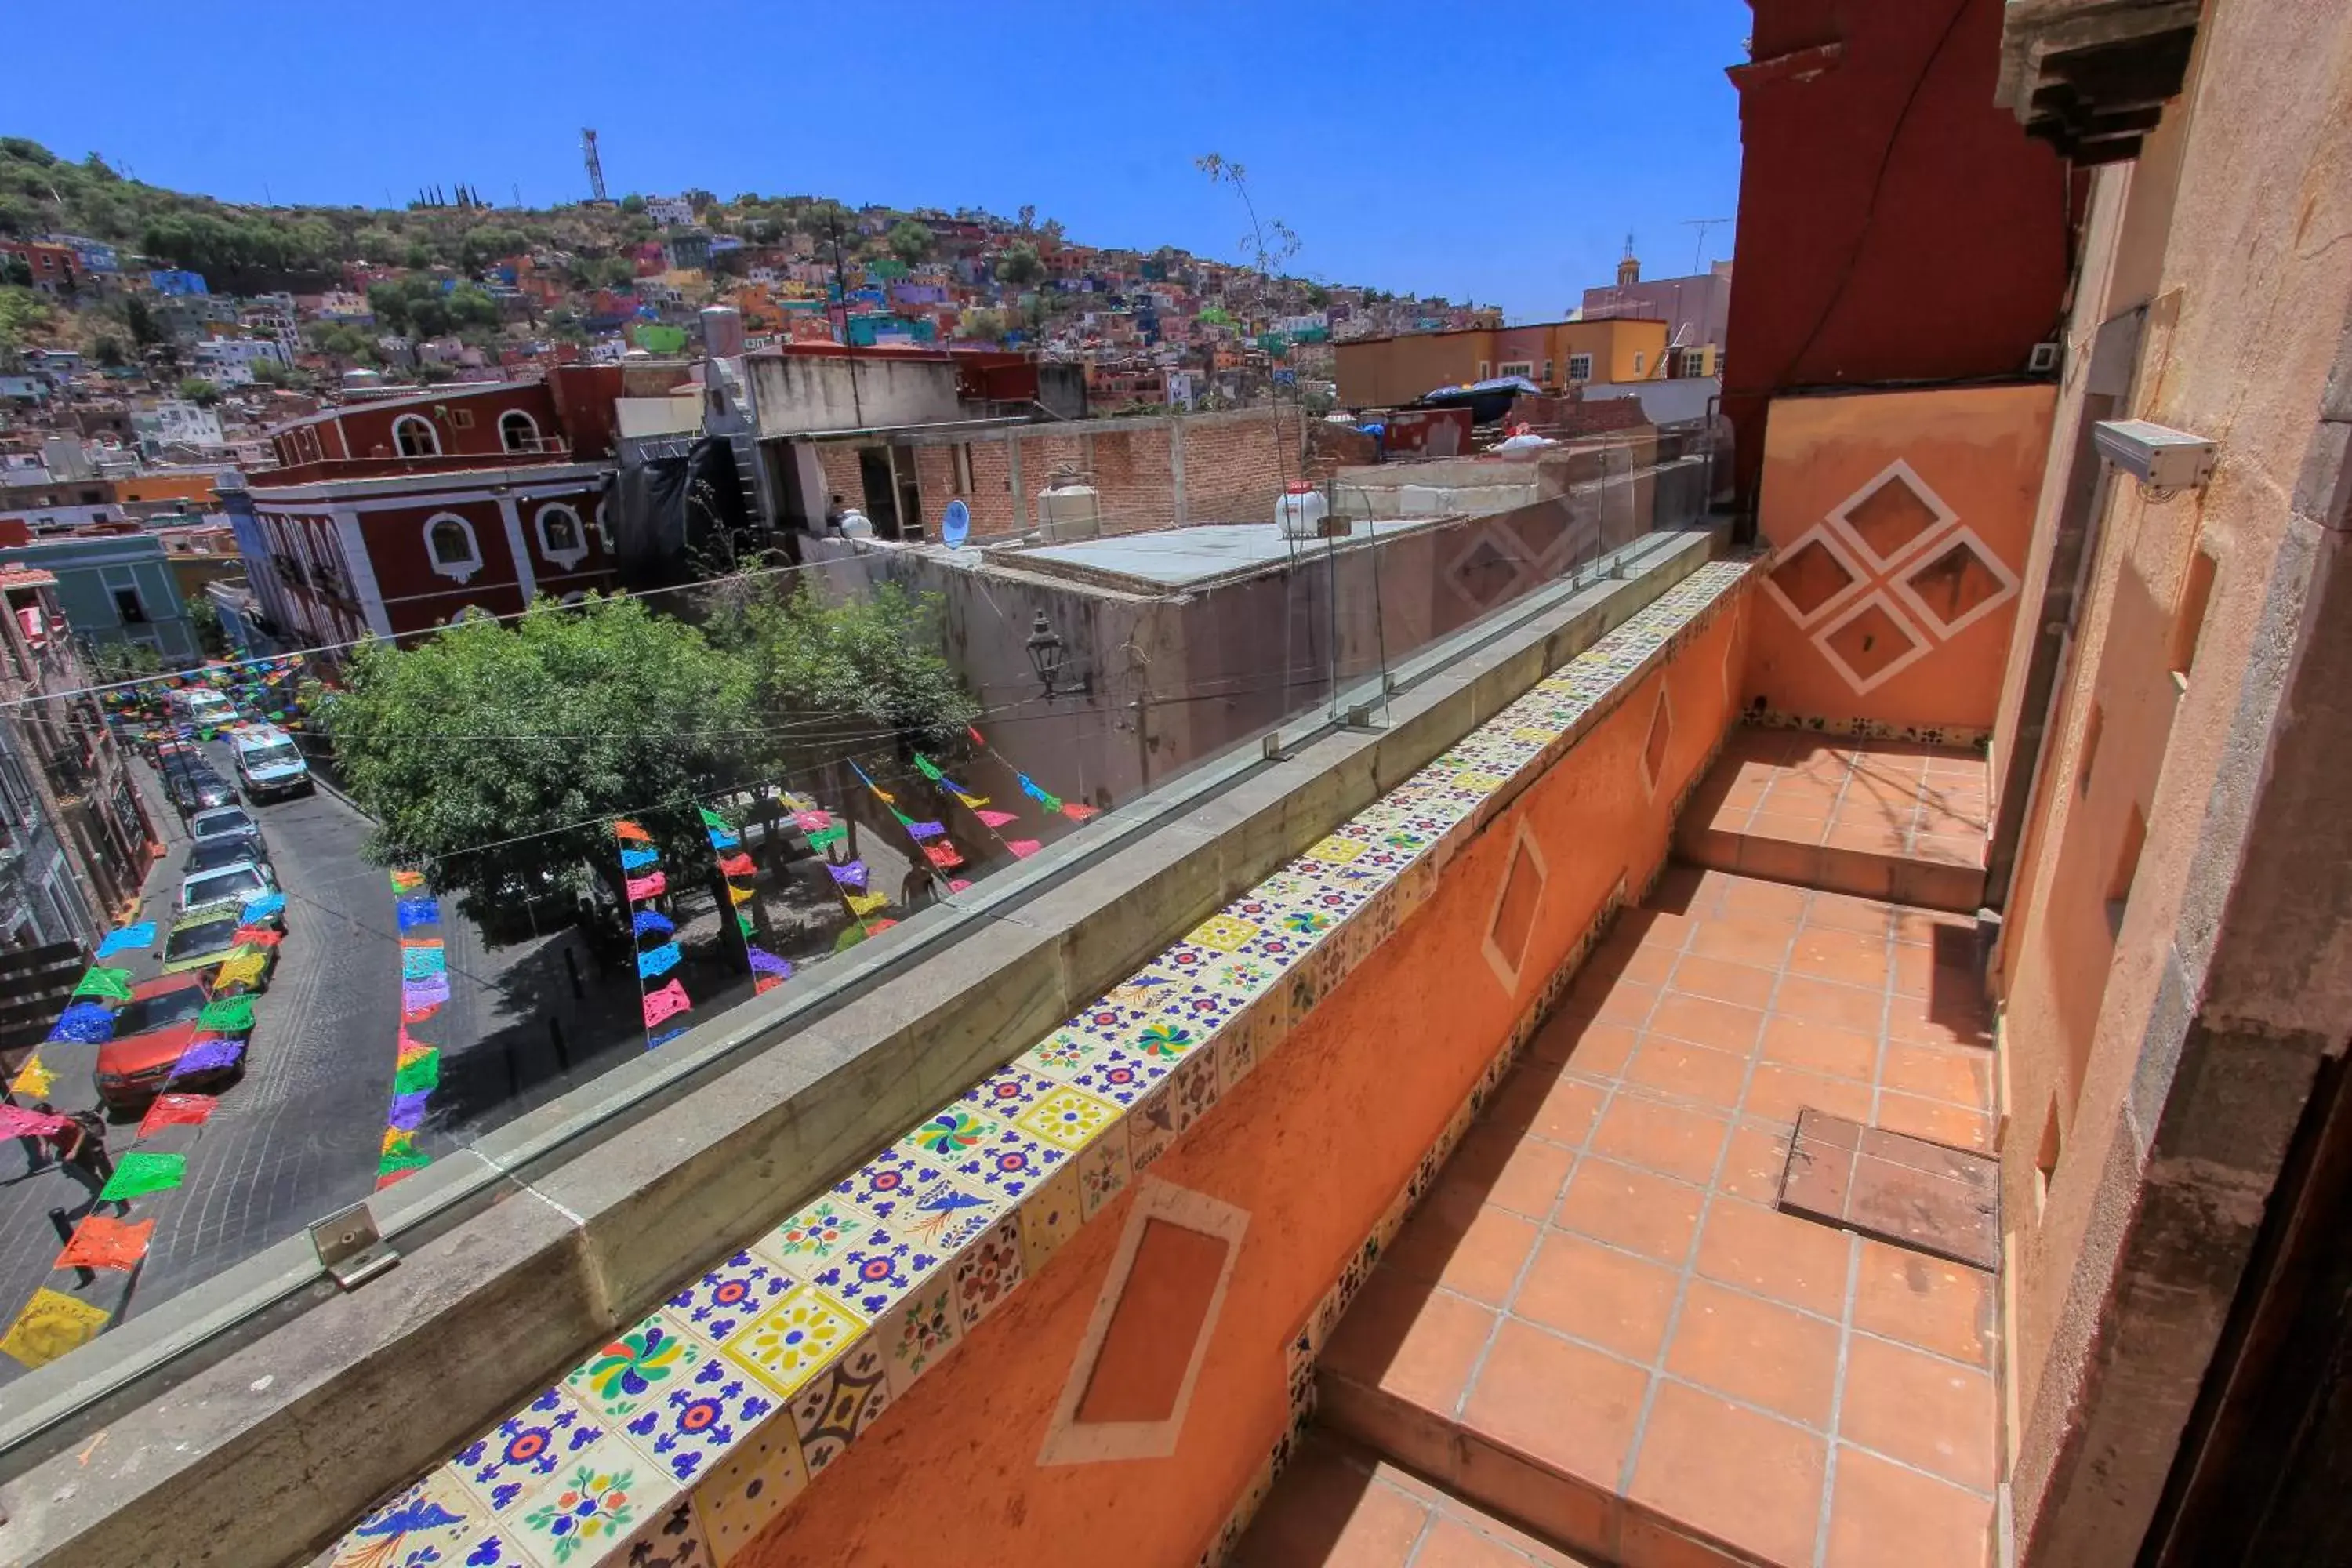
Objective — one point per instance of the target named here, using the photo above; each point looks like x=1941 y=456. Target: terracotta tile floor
x=1597 y=1324
x=1342 y=1505
x=1879 y=817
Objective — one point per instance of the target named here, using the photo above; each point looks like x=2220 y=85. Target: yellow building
x=1384 y=372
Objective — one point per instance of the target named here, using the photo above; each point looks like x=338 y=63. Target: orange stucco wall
x=1850 y=646
x=1313 y=1145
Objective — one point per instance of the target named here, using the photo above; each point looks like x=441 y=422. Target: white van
x=204 y=707
x=269 y=765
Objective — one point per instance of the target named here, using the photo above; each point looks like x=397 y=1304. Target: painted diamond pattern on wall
x=1871 y=644
x=1957 y=585
x=1893 y=512
x=1811 y=578
x=1654 y=749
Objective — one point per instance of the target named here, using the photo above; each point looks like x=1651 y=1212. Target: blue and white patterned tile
x=951 y=1133
x=1117 y=1010
x=1012 y=1163
x=636 y=1369
x=883 y=1184
x=526 y=1450
x=437 y=1521
x=946 y=1214
x=671 y=1537
x=731 y=1295
x=716 y=1406
x=876 y=1274
x=1120 y=1077
x=1004 y=1094
x=597 y=1500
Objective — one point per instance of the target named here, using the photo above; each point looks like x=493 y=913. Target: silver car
x=235 y=882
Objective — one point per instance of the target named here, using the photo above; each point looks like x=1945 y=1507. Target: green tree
x=270 y=373
x=909 y=241
x=876 y=658
x=982 y=325
x=199 y=391
x=1019 y=265
x=632 y=203
x=22 y=312
x=108 y=352
x=145 y=331
x=491 y=242
x=204 y=617
x=493 y=756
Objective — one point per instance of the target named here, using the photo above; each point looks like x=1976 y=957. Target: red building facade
x=1894 y=228
x=393 y=518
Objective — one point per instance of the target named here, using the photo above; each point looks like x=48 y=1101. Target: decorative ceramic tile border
x=1964 y=736
x=753 y=1378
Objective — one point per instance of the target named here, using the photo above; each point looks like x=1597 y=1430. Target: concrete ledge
x=280 y=1441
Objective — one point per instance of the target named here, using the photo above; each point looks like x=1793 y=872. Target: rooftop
x=1188 y=558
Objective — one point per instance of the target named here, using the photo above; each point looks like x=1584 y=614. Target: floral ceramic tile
x=730 y=1296
x=1221 y=933
x=840 y=1402
x=1150 y=1125
x=634 y=1369
x=749 y=1486
x=987 y=1273
x=1048 y=1219
x=885 y=1183
x=870 y=1276
x=700 y=1417
x=1068 y=1119
x=1012 y=1163
x=1122 y=1006
x=1005 y=1093
x=793 y=1340
x=436 y=1521
x=814 y=1236
x=918 y=1332
x=526 y=1450
x=1192 y=1089
x=946 y=1216
x=1117 y=1077
x=1205 y=1007
x=952 y=1134
x=1103 y=1171
x=671 y=1537
x=593 y=1505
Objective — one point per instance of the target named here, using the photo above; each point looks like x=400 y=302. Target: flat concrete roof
x=1179 y=558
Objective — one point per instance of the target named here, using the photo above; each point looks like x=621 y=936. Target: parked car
x=224 y=822
x=212 y=854
x=150 y=1031
x=204 y=707
x=202 y=939
x=235 y=882
x=269 y=765
x=196 y=789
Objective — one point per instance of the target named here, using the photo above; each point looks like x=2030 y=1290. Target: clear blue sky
x=1500 y=153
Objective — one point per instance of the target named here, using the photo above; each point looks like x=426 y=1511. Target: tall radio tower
x=595 y=166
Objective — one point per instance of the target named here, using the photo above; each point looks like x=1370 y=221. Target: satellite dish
x=956 y=526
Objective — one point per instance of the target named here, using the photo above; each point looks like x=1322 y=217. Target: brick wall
x=839 y=461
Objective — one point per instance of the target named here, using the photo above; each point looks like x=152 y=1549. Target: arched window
x=517 y=431
x=450 y=547
x=412 y=436
x=561 y=539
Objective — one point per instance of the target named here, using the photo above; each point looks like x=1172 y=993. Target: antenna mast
x=1698 y=251
x=595 y=166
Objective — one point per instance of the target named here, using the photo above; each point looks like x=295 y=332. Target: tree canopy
x=1019 y=265
x=909 y=241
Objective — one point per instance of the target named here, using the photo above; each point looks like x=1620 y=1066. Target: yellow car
x=204 y=939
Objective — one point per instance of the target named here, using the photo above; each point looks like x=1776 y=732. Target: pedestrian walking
x=77 y=1158
x=36 y=1144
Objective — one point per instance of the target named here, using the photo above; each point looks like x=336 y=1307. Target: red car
x=151 y=1030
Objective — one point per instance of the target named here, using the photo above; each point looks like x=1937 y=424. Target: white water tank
x=1300 y=512
x=1069 y=511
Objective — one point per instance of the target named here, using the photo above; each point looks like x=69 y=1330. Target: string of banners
x=54 y=1321
x=424 y=992
x=645 y=882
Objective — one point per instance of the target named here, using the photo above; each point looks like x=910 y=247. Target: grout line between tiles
x=1837 y=1396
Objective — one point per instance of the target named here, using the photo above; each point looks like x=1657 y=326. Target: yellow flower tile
x=1067 y=1117
x=1336 y=850
x=1223 y=933
x=785 y=1347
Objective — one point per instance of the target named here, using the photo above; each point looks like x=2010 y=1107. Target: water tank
x=354 y=380
x=1068 y=510
x=1301 y=510
x=722 y=331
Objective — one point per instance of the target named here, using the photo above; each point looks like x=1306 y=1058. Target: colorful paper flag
x=741 y=895
x=1078 y=812
x=666 y=1002
x=256 y=936
x=826 y=837
x=98 y=1242
x=414 y=912
x=16 y=1121
x=651 y=922
x=233 y=1014
x=242 y=969
x=973 y=801
x=638 y=859
x=86 y=1021
x=997 y=819
x=1023 y=848
x=942 y=855
x=766 y=962
x=878 y=927
x=261 y=908
x=712 y=819
x=408 y=1111
x=926 y=829
x=33 y=1078
x=925 y=766
x=140 y=1171
x=813 y=821
x=206 y=1055
x=737 y=866
x=127 y=937
x=419 y=1075
x=958 y=885
x=407 y=881
x=420 y=999
x=52 y=1325
x=656 y=961
x=422 y=960
x=623 y=828
x=722 y=838
x=847 y=873
x=176 y=1111
x=866 y=903
x=640 y=888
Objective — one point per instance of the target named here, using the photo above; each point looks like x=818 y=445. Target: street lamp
x=1051 y=660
